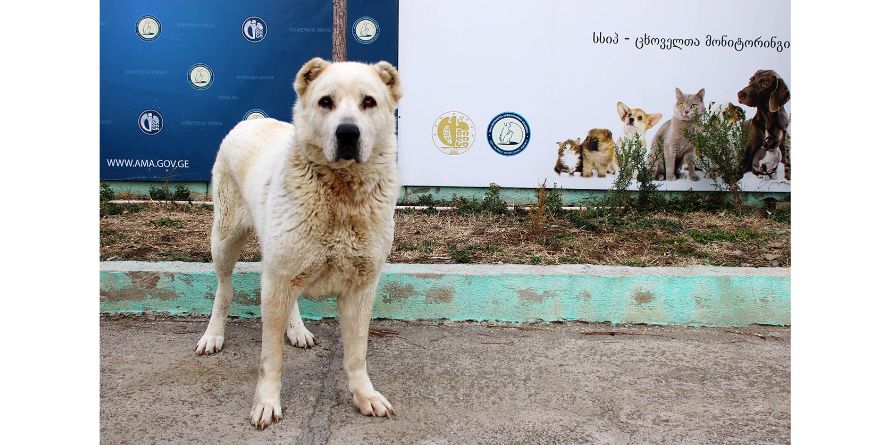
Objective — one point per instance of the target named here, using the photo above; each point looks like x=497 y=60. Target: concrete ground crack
x=316 y=427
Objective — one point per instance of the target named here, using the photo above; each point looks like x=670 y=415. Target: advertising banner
x=517 y=93
x=177 y=76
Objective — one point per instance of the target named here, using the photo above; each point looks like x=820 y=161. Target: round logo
x=200 y=76
x=254 y=114
x=148 y=28
x=453 y=132
x=365 y=30
x=150 y=122
x=508 y=133
x=255 y=29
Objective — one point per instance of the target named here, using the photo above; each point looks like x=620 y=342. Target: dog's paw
x=265 y=413
x=374 y=404
x=209 y=344
x=693 y=177
x=300 y=337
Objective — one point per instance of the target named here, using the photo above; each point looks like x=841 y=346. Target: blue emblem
x=150 y=122
x=508 y=133
x=365 y=30
x=255 y=113
x=255 y=29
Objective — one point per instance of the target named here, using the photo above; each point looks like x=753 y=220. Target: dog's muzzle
x=347 y=136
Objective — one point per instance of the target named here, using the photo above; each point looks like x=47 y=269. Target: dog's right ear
x=623 y=110
x=309 y=73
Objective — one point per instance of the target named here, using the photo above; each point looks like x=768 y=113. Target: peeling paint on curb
x=693 y=296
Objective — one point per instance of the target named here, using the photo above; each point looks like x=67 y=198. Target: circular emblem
x=150 y=122
x=365 y=30
x=254 y=114
x=200 y=76
x=508 y=133
x=148 y=28
x=453 y=132
x=255 y=29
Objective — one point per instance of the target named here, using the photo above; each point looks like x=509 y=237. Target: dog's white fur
x=325 y=225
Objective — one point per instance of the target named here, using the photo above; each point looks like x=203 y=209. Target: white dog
x=320 y=194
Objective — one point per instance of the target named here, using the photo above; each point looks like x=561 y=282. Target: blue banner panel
x=177 y=76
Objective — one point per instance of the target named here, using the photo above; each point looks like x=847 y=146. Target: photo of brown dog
x=636 y=121
x=768 y=93
x=569 y=157
x=598 y=153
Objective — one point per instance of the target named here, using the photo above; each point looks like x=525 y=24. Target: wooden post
x=339 y=30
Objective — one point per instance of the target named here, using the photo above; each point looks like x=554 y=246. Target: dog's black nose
x=630 y=120
x=347 y=136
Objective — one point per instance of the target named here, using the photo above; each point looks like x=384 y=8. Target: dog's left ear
x=309 y=73
x=780 y=96
x=390 y=77
x=653 y=119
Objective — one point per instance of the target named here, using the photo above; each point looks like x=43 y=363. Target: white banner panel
x=559 y=67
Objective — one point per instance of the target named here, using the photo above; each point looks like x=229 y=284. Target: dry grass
x=181 y=232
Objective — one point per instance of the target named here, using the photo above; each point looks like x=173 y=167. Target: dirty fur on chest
x=345 y=228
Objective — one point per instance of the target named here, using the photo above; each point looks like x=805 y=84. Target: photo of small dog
x=767 y=158
x=569 y=157
x=598 y=153
x=636 y=122
x=729 y=112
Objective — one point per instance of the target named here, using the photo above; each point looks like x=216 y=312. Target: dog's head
x=345 y=110
x=733 y=113
x=636 y=120
x=765 y=89
x=596 y=139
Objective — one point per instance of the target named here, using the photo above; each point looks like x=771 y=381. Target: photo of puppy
x=568 y=157
x=768 y=93
x=636 y=122
x=598 y=153
x=732 y=113
x=767 y=158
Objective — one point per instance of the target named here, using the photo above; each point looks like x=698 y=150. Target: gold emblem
x=453 y=133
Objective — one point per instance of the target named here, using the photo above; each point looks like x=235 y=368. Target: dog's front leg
x=276 y=300
x=354 y=313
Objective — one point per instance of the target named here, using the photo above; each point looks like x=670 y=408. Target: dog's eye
x=639 y=118
x=368 y=102
x=326 y=102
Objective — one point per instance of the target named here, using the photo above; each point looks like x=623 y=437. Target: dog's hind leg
x=229 y=229
x=296 y=331
x=354 y=313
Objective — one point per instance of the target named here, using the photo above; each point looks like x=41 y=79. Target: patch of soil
x=170 y=232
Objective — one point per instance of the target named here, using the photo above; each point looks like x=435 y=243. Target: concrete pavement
x=454 y=383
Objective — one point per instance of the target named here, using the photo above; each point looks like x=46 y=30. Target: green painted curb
x=692 y=296
x=411 y=194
